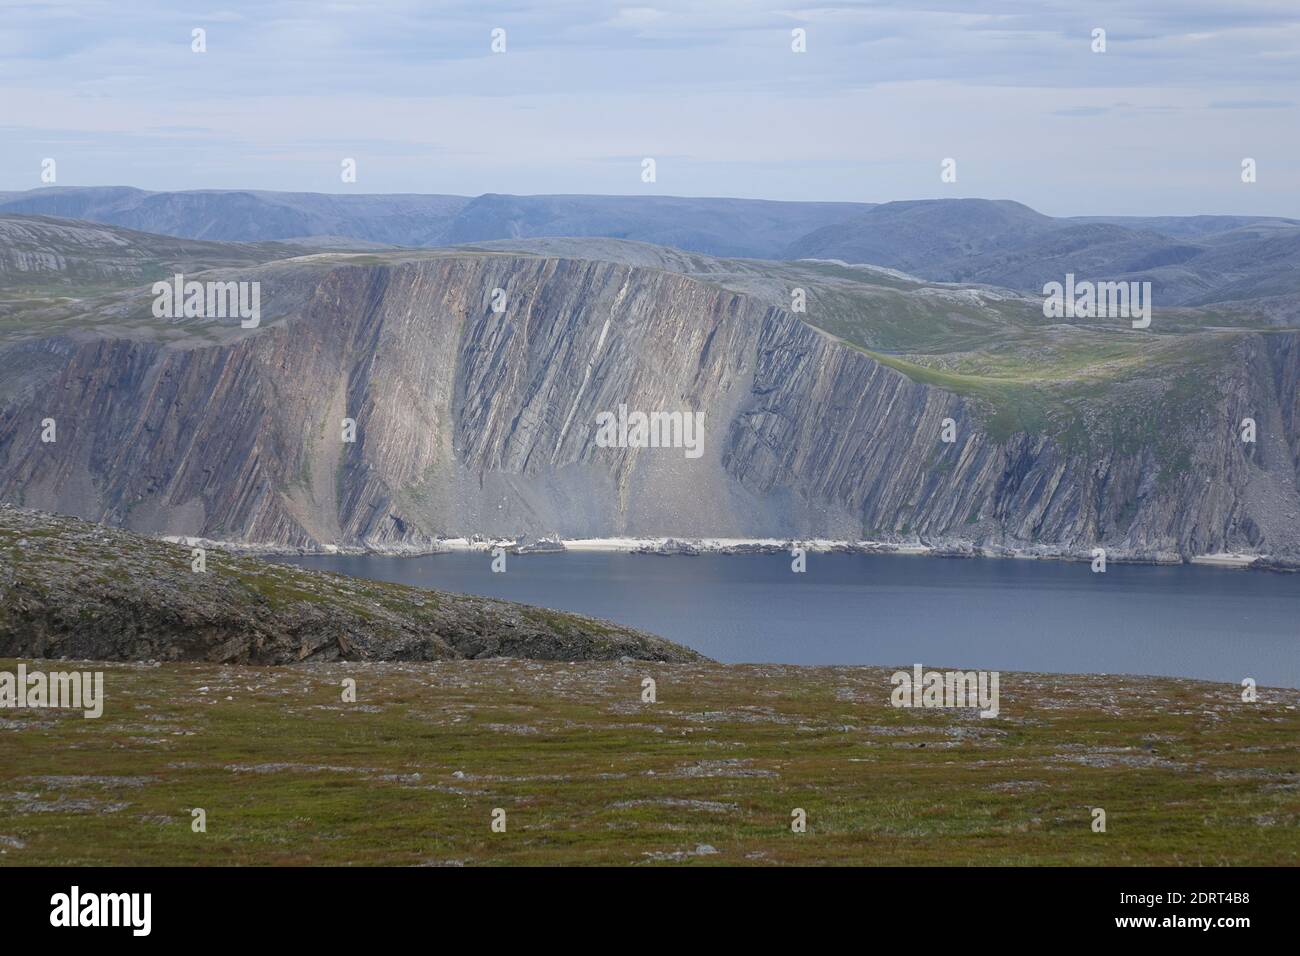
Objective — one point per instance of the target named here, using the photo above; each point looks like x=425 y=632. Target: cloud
x=1252 y=104
x=713 y=90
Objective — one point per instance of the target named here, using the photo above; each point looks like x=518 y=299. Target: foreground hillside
x=69 y=588
x=410 y=774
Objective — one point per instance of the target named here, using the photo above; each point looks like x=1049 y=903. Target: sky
x=1013 y=91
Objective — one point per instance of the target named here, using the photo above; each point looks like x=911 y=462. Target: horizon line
x=803 y=202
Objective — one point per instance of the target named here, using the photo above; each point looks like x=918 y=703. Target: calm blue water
x=989 y=614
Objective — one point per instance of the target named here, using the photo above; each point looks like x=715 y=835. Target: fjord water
x=992 y=614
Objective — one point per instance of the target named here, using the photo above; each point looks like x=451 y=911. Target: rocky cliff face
x=878 y=455
x=469 y=420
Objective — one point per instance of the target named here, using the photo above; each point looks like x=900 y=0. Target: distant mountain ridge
x=1190 y=260
x=1197 y=260
x=248 y=215
x=728 y=227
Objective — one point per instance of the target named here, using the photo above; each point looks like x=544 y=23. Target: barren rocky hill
x=73 y=589
x=69 y=257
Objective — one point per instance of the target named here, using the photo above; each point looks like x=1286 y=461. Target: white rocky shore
x=710 y=545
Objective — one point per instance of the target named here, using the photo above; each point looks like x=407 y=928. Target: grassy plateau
x=410 y=773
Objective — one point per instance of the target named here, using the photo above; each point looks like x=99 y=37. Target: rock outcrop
x=73 y=589
x=469 y=420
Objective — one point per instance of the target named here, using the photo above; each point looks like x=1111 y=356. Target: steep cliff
x=469 y=420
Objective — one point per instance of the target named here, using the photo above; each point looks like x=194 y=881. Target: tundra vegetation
x=287 y=772
x=391 y=734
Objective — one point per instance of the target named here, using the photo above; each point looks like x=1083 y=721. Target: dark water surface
x=991 y=614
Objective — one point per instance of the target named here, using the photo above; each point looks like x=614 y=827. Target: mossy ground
x=587 y=773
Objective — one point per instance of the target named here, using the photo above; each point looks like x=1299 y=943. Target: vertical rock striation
x=470 y=420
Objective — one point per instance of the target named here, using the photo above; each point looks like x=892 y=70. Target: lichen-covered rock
x=69 y=588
